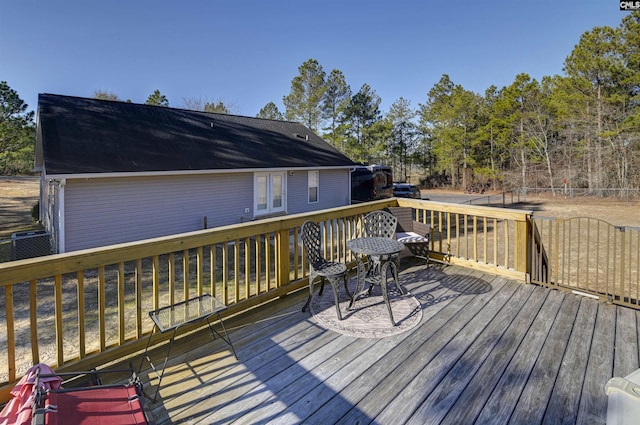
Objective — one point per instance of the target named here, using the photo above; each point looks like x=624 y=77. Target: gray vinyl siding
x=109 y=211
x=333 y=191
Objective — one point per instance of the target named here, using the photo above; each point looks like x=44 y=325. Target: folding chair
x=92 y=404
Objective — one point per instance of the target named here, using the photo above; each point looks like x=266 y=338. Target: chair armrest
x=421 y=229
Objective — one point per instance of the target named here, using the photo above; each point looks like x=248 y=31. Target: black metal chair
x=382 y=224
x=319 y=267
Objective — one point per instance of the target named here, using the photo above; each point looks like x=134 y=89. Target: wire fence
x=628 y=194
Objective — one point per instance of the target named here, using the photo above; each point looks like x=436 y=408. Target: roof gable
x=80 y=136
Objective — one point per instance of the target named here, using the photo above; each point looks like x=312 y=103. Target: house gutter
x=188 y=172
x=61 y=214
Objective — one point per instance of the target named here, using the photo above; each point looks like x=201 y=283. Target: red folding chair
x=93 y=404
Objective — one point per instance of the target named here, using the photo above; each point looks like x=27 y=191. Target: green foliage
x=304 y=102
x=158 y=99
x=105 y=95
x=335 y=99
x=270 y=111
x=17 y=133
x=217 y=107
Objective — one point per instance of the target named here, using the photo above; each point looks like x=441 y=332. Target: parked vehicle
x=371 y=182
x=406 y=190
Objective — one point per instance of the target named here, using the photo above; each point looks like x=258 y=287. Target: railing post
x=523 y=246
x=283 y=257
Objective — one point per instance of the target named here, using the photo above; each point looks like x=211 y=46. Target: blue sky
x=246 y=52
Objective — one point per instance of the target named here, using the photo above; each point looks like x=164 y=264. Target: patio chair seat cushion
x=411 y=237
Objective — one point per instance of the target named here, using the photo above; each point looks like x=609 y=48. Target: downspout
x=61 y=226
x=351 y=170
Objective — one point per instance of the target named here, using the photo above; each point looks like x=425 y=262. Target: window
x=269 y=193
x=313 y=186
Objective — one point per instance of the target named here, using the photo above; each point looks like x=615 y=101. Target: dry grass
x=18 y=195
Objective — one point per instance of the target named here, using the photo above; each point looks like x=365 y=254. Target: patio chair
x=413 y=234
x=95 y=402
x=382 y=224
x=319 y=267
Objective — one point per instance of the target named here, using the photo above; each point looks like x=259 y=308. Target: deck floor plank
x=626 y=353
x=599 y=367
x=424 y=367
x=533 y=401
x=442 y=398
x=505 y=396
x=488 y=349
x=433 y=361
x=565 y=398
x=382 y=381
x=472 y=400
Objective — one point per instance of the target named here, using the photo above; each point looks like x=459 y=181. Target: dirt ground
x=618 y=212
x=19 y=194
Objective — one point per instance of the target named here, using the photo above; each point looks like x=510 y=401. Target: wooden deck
x=488 y=350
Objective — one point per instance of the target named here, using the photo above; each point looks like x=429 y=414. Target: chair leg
x=394 y=273
x=346 y=287
x=383 y=287
x=306 y=305
x=336 y=296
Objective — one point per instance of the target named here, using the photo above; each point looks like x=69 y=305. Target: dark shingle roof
x=79 y=135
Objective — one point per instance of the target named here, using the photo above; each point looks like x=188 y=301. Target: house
x=115 y=172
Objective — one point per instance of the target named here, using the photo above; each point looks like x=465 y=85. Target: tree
x=217 y=107
x=270 y=112
x=450 y=117
x=403 y=132
x=157 y=99
x=512 y=107
x=105 y=95
x=17 y=132
x=334 y=101
x=362 y=111
x=303 y=103
x=596 y=67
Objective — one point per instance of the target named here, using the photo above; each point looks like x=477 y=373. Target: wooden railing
x=83 y=309
x=590 y=256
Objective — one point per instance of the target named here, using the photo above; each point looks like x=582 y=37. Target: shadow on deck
x=488 y=350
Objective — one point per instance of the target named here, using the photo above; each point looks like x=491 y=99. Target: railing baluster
x=258 y=249
x=185 y=274
x=138 y=284
x=247 y=268
x=225 y=272
x=199 y=272
x=236 y=270
x=11 y=332
x=121 y=304
x=102 y=329
x=156 y=282
x=33 y=318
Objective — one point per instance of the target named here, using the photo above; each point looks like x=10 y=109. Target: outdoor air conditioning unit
x=30 y=244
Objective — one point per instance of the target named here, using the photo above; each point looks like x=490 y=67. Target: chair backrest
x=312 y=242
x=404 y=216
x=380 y=223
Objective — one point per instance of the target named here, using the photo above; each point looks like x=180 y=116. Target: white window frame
x=313 y=181
x=270 y=178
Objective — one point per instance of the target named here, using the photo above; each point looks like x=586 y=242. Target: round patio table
x=381 y=254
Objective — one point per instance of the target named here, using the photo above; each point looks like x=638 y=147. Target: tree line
x=580 y=129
